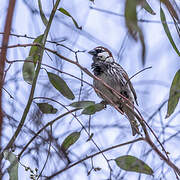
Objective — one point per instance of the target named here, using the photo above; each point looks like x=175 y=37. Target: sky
x=98 y=28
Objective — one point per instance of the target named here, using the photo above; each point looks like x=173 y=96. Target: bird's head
x=101 y=54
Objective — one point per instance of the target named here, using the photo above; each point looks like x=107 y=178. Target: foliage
x=38 y=128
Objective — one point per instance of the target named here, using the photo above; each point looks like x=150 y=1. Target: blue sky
x=152 y=86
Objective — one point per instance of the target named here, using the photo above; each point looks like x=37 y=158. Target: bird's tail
x=132 y=120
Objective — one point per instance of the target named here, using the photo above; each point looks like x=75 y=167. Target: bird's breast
x=98 y=69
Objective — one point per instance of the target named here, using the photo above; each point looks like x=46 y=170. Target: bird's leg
x=121 y=107
x=104 y=103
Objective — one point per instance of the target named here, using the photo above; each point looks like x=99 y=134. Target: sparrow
x=106 y=69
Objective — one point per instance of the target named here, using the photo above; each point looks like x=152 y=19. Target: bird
x=106 y=69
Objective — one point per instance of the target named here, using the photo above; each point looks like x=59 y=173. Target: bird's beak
x=92 y=52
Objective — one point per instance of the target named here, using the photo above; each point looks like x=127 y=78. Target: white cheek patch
x=109 y=59
x=104 y=56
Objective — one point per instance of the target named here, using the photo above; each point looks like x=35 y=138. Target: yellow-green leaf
x=82 y=104
x=131 y=163
x=170 y=8
x=131 y=17
x=13 y=168
x=90 y=137
x=147 y=7
x=92 y=109
x=166 y=29
x=132 y=25
x=60 y=85
x=43 y=17
x=143 y=51
x=70 y=140
x=67 y=14
x=28 y=70
x=174 y=94
x=36 y=50
x=46 y=108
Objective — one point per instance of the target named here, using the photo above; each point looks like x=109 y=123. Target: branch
x=26 y=110
x=137 y=73
x=95 y=154
x=43 y=128
x=4 y=44
x=122 y=15
x=126 y=103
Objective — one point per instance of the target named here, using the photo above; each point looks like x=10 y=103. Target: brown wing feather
x=130 y=85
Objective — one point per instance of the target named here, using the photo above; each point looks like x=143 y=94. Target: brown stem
x=95 y=154
x=137 y=114
x=4 y=45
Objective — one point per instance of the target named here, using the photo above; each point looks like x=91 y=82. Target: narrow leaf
x=28 y=70
x=174 y=94
x=147 y=7
x=43 y=17
x=13 y=168
x=131 y=163
x=70 y=140
x=67 y=14
x=82 y=104
x=99 y=106
x=60 y=85
x=177 y=26
x=90 y=137
x=35 y=50
x=46 y=108
x=143 y=55
x=166 y=29
x=89 y=110
x=92 y=109
x=170 y=8
x=131 y=17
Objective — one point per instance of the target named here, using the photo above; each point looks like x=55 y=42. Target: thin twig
x=122 y=15
x=26 y=110
x=49 y=149
x=4 y=44
x=138 y=73
x=95 y=154
x=126 y=103
x=43 y=128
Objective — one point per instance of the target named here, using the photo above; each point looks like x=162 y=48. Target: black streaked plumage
x=105 y=68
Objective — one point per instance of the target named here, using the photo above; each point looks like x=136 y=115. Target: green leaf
x=131 y=163
x=70 y=140
x=82 y=104
x=67 y=14
x=60 y=85
x=43 y=17
x=174 y=94
x=131 y=17
x=13 y=168
x=166 y=29
x=132 y=25
x=92 y=109
x=46 y=108
x=147 y=7
x=36 y=50
x=171 y=9
x=143 y=55
x=28 y=70
x=90 y=137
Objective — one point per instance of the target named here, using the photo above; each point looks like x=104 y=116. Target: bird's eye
x=99 y=50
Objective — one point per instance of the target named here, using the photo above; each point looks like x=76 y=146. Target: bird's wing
x=126 y=77
x=130 y=85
